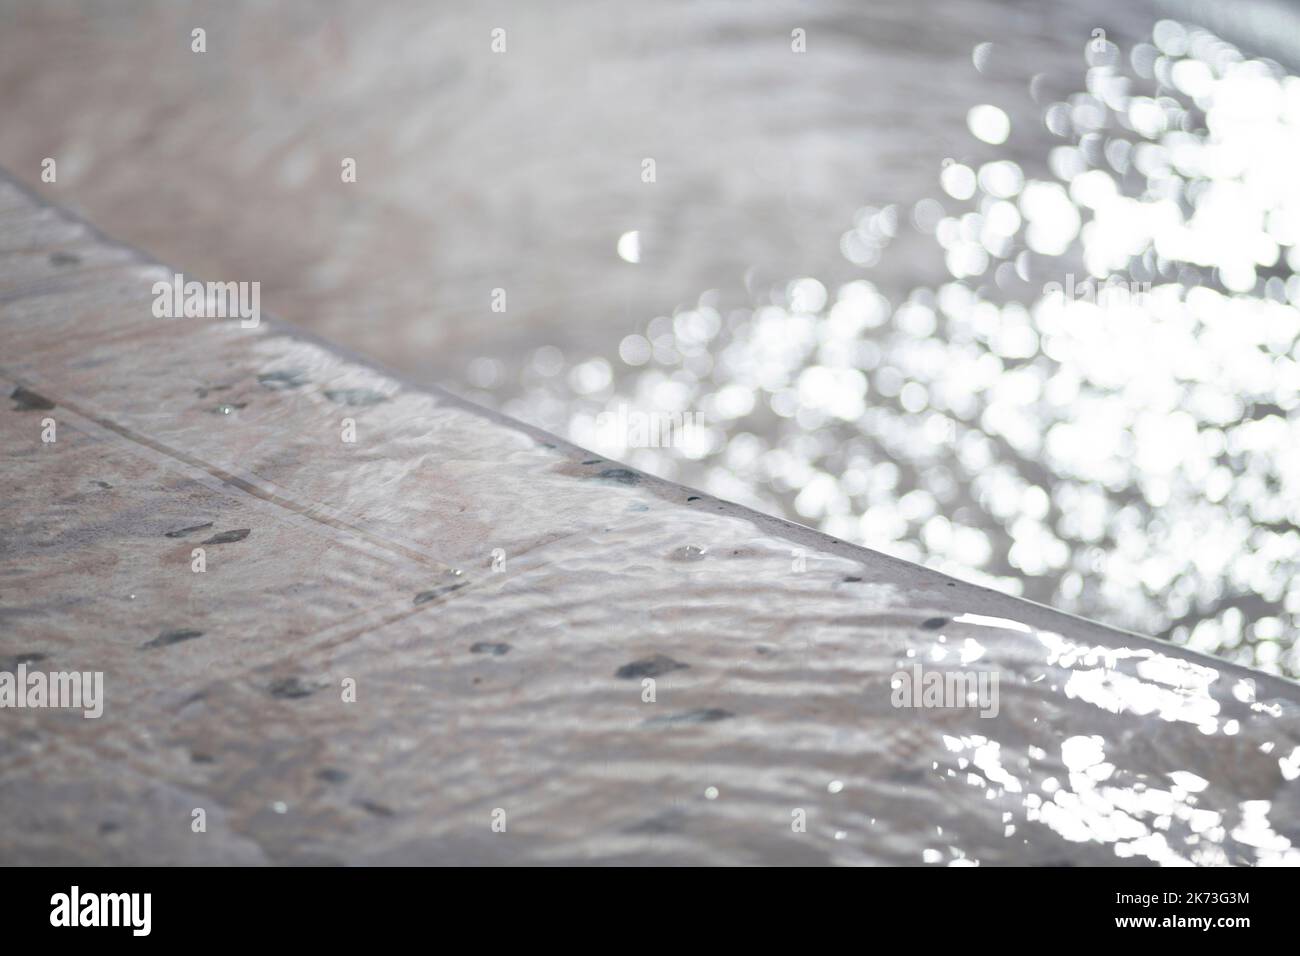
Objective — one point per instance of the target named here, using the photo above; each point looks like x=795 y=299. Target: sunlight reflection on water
x=1095 y=407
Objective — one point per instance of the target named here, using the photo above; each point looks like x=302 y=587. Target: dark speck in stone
x=623 y=476
x=670 y=821
x=852 y=580
x=283 y=379
x=693 y=498
x=649 y=667
x=332 y=775
x=64 y=259
x=934 y=623
x=292 y=688
x=168 y=638
x=355 y=396
x=202 y=758
x=377 y=809
x=107 y=827
x=25 y=400
x=488 y=647
x=424 y=597
x=11 y=663
x=593 y=461
x=103 y=484
x=228 y=537
x=704 y=716
x=182 y=532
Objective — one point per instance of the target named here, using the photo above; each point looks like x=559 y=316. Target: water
x=497 y=600
x=1131 y=462
x=1093 y=403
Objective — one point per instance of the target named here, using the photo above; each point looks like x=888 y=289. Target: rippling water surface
x=622 y=668
x=874 y=274
x=908 y=377
x=1094 y=401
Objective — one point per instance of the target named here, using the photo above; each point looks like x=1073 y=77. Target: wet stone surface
x=784 y=687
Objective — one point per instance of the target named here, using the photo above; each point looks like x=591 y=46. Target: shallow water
x=498 y=600
x=1131 y=463
x=1095 y=403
